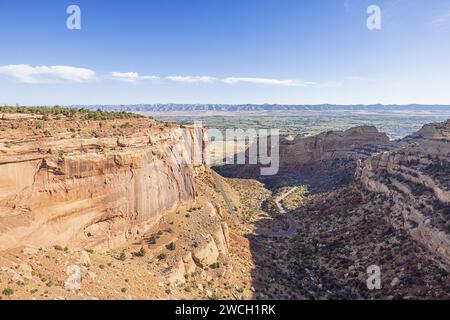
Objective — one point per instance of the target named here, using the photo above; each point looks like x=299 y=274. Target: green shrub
x=162 y=256
x=171 y=246
x=8 y=292
x=215 y=265
x=141 y=252
x=126 y=125
x=123 y=256
x=152 y=239
x=81 y=113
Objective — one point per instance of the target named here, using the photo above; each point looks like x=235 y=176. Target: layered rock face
x=91 y=183
x=332 y=145
x=395 y=215
x=416 y=181
x=333 y=151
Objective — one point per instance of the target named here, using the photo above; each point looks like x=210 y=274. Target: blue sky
x=224 y=51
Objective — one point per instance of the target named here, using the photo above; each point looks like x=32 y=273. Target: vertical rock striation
x=99 y=191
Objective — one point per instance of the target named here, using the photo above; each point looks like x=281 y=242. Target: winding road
x=292 y=228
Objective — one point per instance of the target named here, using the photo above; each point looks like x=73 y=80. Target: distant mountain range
x=264 y=108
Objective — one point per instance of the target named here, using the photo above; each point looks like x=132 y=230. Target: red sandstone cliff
x=91 y=183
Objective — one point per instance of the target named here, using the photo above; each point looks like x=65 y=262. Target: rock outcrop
x=91 y=183
x=214 y=245
x=416 y=181
x=333 y=151
x=395 y=215
x=332 y=145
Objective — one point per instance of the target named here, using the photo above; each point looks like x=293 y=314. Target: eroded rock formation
x=333 y=151
x=394 y=215
x=416 y=180
x=91 y=183
x=332 y=145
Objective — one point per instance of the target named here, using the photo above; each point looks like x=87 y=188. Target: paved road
x=292 y=229
x=230 y=205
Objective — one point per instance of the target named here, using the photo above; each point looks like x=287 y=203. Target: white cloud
x=43 y=74
x=48 y=74
x=131 y=77
x=192 y=79
x=267 y=81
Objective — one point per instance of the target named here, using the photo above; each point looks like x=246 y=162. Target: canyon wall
x=415 y=179
x=332 y=145
x=93 y=189
x=299 y=154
